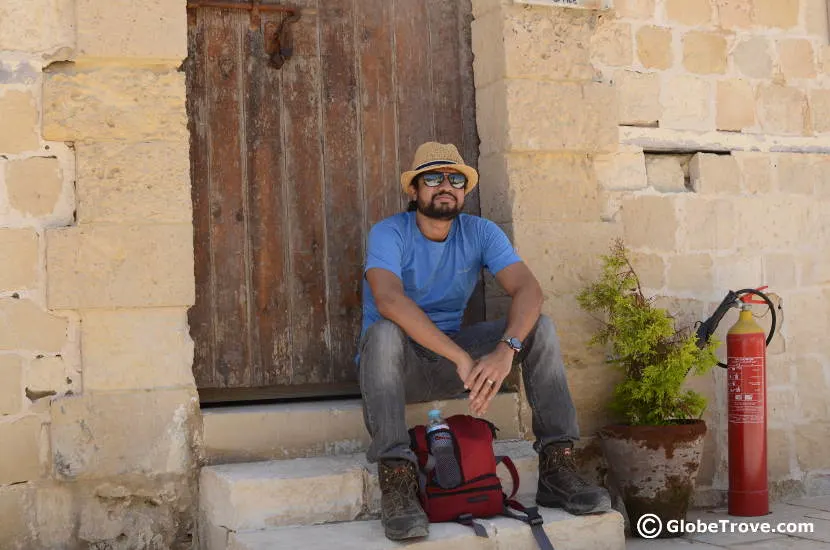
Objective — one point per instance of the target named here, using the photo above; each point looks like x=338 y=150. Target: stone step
x=566 y=532
x=305 y=491
x=298 y=430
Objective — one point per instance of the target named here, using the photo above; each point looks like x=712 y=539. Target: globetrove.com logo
x=650 y=526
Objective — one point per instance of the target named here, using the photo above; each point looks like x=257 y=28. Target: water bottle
x=447 y=472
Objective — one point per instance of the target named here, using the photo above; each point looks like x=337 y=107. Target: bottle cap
x=434 y=413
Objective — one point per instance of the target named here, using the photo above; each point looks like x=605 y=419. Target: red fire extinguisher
x=747 y=409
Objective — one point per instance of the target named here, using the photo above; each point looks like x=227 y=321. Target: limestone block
x=102 y=434
x=592 y=388
x=802 y=173
x=779 y=450
x=15 y=511
x=624 y=169
x=133 y=182
x=18 y=111
x=489 y=64
x=493 y=130
x=136 y=349
x=156 y=29
x=765 y=226
x=19 y=249
x=483 y=7
x=714 y=174
x=496 y=198
x=738 y=271
x=824 y=59
x=782 y=110
x=815 y=17
x=686 y=312
x=692 y=273
x=815 y=269
x=689 y=12
x=538 y=43
x=665 y=173
x=704 y=52
x=47 y=376
x=20 y=459
x=687 y=103
x=34 y=185
x=555 y=116
x=780 y=271
x=654 y=47
x=55 y=514
x=735 y=105
x=120 y=266
x=38 y=26
x=709 y=224
x=734 y=14
x=26 y=326
x=797 y=58
x=811 y=445
x=611 y=43
x=752 y=57
x=820 y=110
x=756 y=171
x=650 y=223
x=808 y=320
x=114 y=103
x=554 y=187
x=775 y=13
x=639 y=98
x=635 y=9
x=650 y=269
x=563 y=255
x=610 y=204
x=11 y=392
x=813 y=384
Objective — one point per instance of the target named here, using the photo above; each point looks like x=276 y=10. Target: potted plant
x=653 y=453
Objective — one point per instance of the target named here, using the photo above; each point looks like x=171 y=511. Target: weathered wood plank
x=227 y=233
x=413 y=86
x=377 y=104
x=200 y=316
x=305 y=199
x=342 y=170
x=268 y=224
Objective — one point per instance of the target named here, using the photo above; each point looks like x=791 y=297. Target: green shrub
x=654 y=356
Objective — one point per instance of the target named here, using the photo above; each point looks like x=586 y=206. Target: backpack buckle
x=536 y=520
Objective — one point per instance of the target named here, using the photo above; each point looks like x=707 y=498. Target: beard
x=439 y=211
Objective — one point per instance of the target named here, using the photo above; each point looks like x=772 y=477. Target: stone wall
x=98 y=409
x=698 y=131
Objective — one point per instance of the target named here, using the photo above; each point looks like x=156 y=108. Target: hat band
x=434 y=163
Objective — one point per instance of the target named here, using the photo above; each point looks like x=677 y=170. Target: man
x=421 y=268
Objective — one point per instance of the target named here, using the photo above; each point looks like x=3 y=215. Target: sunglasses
x=434 y=179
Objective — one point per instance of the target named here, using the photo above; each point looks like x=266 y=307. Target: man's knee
x=383 y=347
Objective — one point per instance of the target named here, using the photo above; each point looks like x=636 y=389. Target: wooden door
x=291 y=166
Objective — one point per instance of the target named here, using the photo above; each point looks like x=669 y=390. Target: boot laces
x=399 y=485
x=561 y=460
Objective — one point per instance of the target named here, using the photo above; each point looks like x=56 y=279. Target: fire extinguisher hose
x=708 y=327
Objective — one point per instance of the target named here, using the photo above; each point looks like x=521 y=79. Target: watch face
x=514 y=343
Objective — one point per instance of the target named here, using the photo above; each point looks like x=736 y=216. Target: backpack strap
x=514 y=474
x=532 y=518
x=467 y=519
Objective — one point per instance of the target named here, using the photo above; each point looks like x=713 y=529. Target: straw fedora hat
x=432 y=155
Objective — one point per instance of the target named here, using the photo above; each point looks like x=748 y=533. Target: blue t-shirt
x=438 y=276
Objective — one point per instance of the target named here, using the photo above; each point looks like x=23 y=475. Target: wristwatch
x=514 y=343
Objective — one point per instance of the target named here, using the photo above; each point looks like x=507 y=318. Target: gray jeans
x=394 y=370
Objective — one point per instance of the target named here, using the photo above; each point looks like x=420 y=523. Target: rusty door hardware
x=284 y=45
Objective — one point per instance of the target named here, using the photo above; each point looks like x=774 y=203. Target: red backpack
x=480 y=493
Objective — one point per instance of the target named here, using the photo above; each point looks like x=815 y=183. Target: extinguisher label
x=746 y=389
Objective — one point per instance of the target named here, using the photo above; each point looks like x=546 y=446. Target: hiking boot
x=401 y=512
x=561 y=487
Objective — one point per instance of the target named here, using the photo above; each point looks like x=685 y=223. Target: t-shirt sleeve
x=497 y=251
x=384 y=249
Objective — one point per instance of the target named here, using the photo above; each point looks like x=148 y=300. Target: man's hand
x=486 y=378
x=464 y=365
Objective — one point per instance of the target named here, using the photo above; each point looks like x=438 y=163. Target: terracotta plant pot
x=654 y=469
